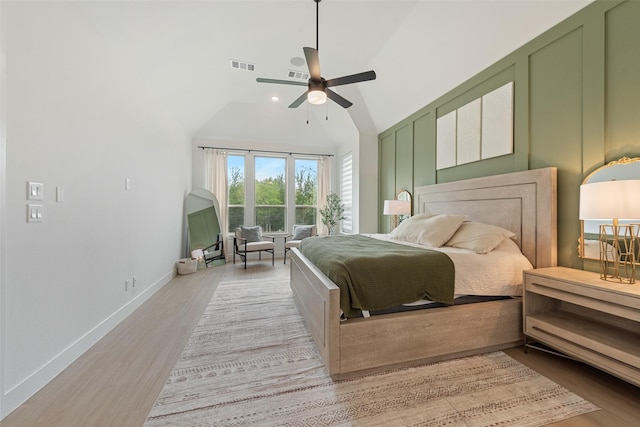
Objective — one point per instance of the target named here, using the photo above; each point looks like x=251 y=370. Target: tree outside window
x=306 y=181
x=235 y=167
x=270 y=193
x=281 y=192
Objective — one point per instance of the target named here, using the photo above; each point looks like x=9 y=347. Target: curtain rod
x=264 y=151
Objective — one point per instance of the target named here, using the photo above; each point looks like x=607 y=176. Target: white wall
x=76 y=120
x=367 y=173
x=3 y=210
x=365 y=166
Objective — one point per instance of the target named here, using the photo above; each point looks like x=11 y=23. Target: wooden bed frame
x=524 y=202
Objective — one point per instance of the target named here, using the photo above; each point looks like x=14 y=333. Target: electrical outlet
x=126 y=285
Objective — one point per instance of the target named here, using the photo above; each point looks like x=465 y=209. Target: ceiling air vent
x=241 y=65
x=301 y=75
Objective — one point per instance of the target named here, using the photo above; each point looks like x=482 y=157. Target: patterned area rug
x=250 y=361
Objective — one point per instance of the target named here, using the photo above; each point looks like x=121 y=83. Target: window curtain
x=217 y=183
x=324 y=189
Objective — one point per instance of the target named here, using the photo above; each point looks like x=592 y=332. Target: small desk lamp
x=613 y=201
x=396 y=208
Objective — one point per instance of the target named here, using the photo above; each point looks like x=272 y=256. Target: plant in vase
x=332 y=212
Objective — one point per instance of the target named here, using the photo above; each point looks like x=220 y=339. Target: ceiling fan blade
x=313 y=62
x=338 y=99
x=354 y=78
x=282 y=82
x=300 y=100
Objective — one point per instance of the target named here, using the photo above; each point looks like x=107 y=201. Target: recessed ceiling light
x=297 y=61
x=275 y=99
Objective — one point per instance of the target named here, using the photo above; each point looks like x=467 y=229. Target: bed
x=522 y=202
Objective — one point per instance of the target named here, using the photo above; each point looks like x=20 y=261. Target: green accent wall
x=576 y=107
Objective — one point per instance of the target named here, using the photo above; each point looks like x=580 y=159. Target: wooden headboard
x=523 y=202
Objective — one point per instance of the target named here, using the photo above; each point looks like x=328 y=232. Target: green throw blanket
x=375 y=275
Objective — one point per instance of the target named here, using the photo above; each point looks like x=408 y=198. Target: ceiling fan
x=317 y=86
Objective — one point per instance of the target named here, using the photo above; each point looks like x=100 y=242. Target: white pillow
x=478 y=237
x=427 y=229
x=437 y=229
x=409 y=230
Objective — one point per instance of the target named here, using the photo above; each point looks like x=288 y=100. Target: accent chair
x=248 y=240
x=299 y=232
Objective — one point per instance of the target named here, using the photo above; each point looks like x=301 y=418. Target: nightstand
x=585 y=318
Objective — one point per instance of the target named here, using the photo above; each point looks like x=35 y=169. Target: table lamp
x=396 y=208
x=613 y=201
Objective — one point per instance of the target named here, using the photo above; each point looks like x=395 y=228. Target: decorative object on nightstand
x=613 y=201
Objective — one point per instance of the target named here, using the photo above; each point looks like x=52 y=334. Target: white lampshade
x=317 y=97
x=608 y=200
x=397 y=207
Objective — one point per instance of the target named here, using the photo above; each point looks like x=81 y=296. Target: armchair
x=299 y=232
x=250 y=239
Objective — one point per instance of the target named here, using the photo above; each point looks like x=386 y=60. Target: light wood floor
x=116 y=382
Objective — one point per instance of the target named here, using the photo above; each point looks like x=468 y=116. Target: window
x=306 y=181
x=235 y=183
x=346 y=192
x=273 y=192
x=270 y=191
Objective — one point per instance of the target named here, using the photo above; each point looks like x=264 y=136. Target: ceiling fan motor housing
x=315 y=84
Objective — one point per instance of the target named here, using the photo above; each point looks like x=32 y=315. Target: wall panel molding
x=576 y=103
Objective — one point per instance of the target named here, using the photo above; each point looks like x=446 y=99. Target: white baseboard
x=17 y=395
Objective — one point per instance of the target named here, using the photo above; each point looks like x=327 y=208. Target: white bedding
x=498 y=272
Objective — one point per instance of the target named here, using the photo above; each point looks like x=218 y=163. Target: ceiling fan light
x=316 y=97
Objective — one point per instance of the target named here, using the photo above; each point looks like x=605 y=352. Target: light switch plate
x=35 y=213
x=35 y=191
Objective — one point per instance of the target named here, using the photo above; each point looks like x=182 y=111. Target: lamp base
x=618 y=247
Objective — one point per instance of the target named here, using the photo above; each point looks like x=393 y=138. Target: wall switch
x=127 y=183
x=35 y=191
x=35 y=213
x=133 y=281
x=59 y=194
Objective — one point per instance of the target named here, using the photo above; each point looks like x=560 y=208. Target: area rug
x=250 y=361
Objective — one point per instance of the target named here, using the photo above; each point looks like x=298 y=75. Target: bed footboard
x=318 y=300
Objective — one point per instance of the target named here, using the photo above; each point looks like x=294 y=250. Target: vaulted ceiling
x=180 y=51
